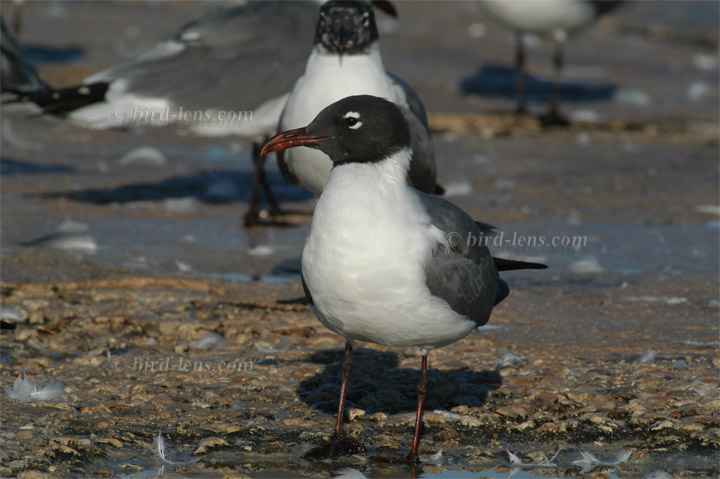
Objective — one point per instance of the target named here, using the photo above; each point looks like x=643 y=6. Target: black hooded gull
x=346 y=61
x=380 y=263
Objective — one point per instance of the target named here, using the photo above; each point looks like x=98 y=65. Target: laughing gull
x=236 y=60
x=242 y=60
x=556 y=19
x=384 y=262
x=345 y=61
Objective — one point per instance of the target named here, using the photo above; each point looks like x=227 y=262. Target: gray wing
x=233 y=59
x=465 y=276
x=423 y=172
x=413 y=99
x=16 y=75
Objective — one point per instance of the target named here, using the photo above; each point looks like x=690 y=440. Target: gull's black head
x=346 y=27
x=356 y=129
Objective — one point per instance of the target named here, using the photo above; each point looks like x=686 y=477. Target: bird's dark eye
x=352 y=120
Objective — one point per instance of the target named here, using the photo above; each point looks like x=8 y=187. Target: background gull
x=243 y=60
x=346 y=61
x=555 y=19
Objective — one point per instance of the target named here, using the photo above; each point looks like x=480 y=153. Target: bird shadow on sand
x=378 y=384
x=499 y=81
x=205 y=186
x=51 y=54
x=10 y=167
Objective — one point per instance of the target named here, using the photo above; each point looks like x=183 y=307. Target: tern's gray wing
x=233 y=59
x=465 y=275
x=423 y=172
x=16 y=74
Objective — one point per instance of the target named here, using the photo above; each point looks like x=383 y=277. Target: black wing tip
x=503 y=264
x=62 y=101
x=486 y=228
x=385 y=6
x=300 y=301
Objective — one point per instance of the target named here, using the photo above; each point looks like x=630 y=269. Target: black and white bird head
x=356 y=129
x=346 y=27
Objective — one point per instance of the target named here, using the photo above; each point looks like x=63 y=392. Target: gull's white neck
x=331 y=77
x=369 y=179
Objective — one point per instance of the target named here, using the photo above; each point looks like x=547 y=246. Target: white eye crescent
x=352 y=120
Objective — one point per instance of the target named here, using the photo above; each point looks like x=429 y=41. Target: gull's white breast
x=543 y=17
x=364 y=262
x=327 y=79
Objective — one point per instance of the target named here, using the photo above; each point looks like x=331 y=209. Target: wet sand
x=160 y=313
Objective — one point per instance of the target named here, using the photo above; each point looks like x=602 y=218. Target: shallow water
x=651 y=468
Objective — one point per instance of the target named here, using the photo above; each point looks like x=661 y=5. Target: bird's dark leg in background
x=339 y=444
x=273 y=204
x=17 y=18
x=521 y=108
x=422 y=391
x=252 y=217
x=554 y=117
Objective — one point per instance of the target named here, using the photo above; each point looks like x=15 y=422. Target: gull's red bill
x=289 y=139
